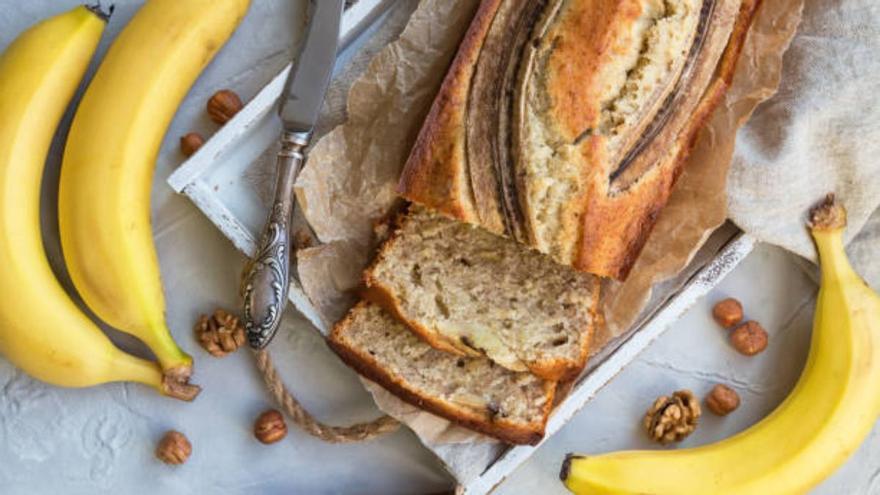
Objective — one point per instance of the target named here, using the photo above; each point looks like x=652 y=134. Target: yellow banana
x=106 y=175
x=827 y=416
x=41 y=329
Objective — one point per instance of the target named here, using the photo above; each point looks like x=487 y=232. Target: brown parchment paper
x=349 y=182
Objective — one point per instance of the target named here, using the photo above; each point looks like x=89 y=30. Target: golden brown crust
x=603 y=228
x=588 y=35
x=504 y=430
x=439 y=180
x=607 y=222
x=746 y=16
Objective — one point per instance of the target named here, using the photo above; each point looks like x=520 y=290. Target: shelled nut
x=750 y=338
x=223 y=105
x=174 y=448
x=672 y=418
x=722 y=400
x=728 y=312
x=270 y=427
x=190 y=143
x=220 y=333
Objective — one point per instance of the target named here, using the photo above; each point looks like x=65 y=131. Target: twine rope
x=334 y=434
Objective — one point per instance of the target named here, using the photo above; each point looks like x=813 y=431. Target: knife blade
x=266 y=279
x=310 y=75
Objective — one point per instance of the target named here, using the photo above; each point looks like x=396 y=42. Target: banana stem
x=834 y=264
x=99 y=11
x=133 y=369
x=170 y=355
x=176 y=365
x=827 y=223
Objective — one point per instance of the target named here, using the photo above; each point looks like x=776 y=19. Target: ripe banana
x=106 y=175
x=41 y=329
x=830 y=411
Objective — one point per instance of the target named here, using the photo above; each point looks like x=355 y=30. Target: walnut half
x=220 y=334
x=673 y=418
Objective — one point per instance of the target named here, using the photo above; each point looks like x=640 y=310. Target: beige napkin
x=819 y=134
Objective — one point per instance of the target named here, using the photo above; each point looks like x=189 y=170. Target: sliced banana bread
x=470 y=292
x=473 y=392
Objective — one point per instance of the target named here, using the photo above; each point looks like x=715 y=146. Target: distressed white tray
x=215 y=180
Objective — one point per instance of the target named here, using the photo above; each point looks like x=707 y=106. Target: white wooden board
x=216 y=182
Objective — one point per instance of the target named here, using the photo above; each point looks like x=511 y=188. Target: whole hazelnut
x=223 y=106
x=722 y=400
x=190 y=143
x=174 y=448
x=728 y=312
x=270 y=427
x=749 y=338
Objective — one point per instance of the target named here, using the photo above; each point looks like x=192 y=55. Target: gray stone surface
x=695 y=354
x=101 y=440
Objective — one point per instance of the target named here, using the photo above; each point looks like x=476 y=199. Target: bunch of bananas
x=822 y=422
x=106 y=179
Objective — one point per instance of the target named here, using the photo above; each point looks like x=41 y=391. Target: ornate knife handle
x=266 y=279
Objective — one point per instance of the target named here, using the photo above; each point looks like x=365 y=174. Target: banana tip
x=828 y=215
x=99 y=11
x=566 y=466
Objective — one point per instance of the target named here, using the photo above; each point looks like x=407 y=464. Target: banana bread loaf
x=564 y=123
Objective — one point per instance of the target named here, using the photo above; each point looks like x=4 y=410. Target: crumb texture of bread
x=471 y=391
x=587 y=96
x=469 y=291
x=574 y=143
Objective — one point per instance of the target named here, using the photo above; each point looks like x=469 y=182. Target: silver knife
x=266 y=279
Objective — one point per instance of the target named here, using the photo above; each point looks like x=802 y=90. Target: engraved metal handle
x=266 y=278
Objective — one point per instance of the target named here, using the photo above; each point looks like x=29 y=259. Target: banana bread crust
x=439 y=147
x=614 y=198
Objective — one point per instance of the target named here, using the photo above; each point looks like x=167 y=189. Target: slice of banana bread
x=470 y=292
x=472 y=392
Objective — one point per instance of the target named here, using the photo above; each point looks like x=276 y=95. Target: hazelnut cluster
x=221 y=107
x=174 y=448
x=748 y=338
